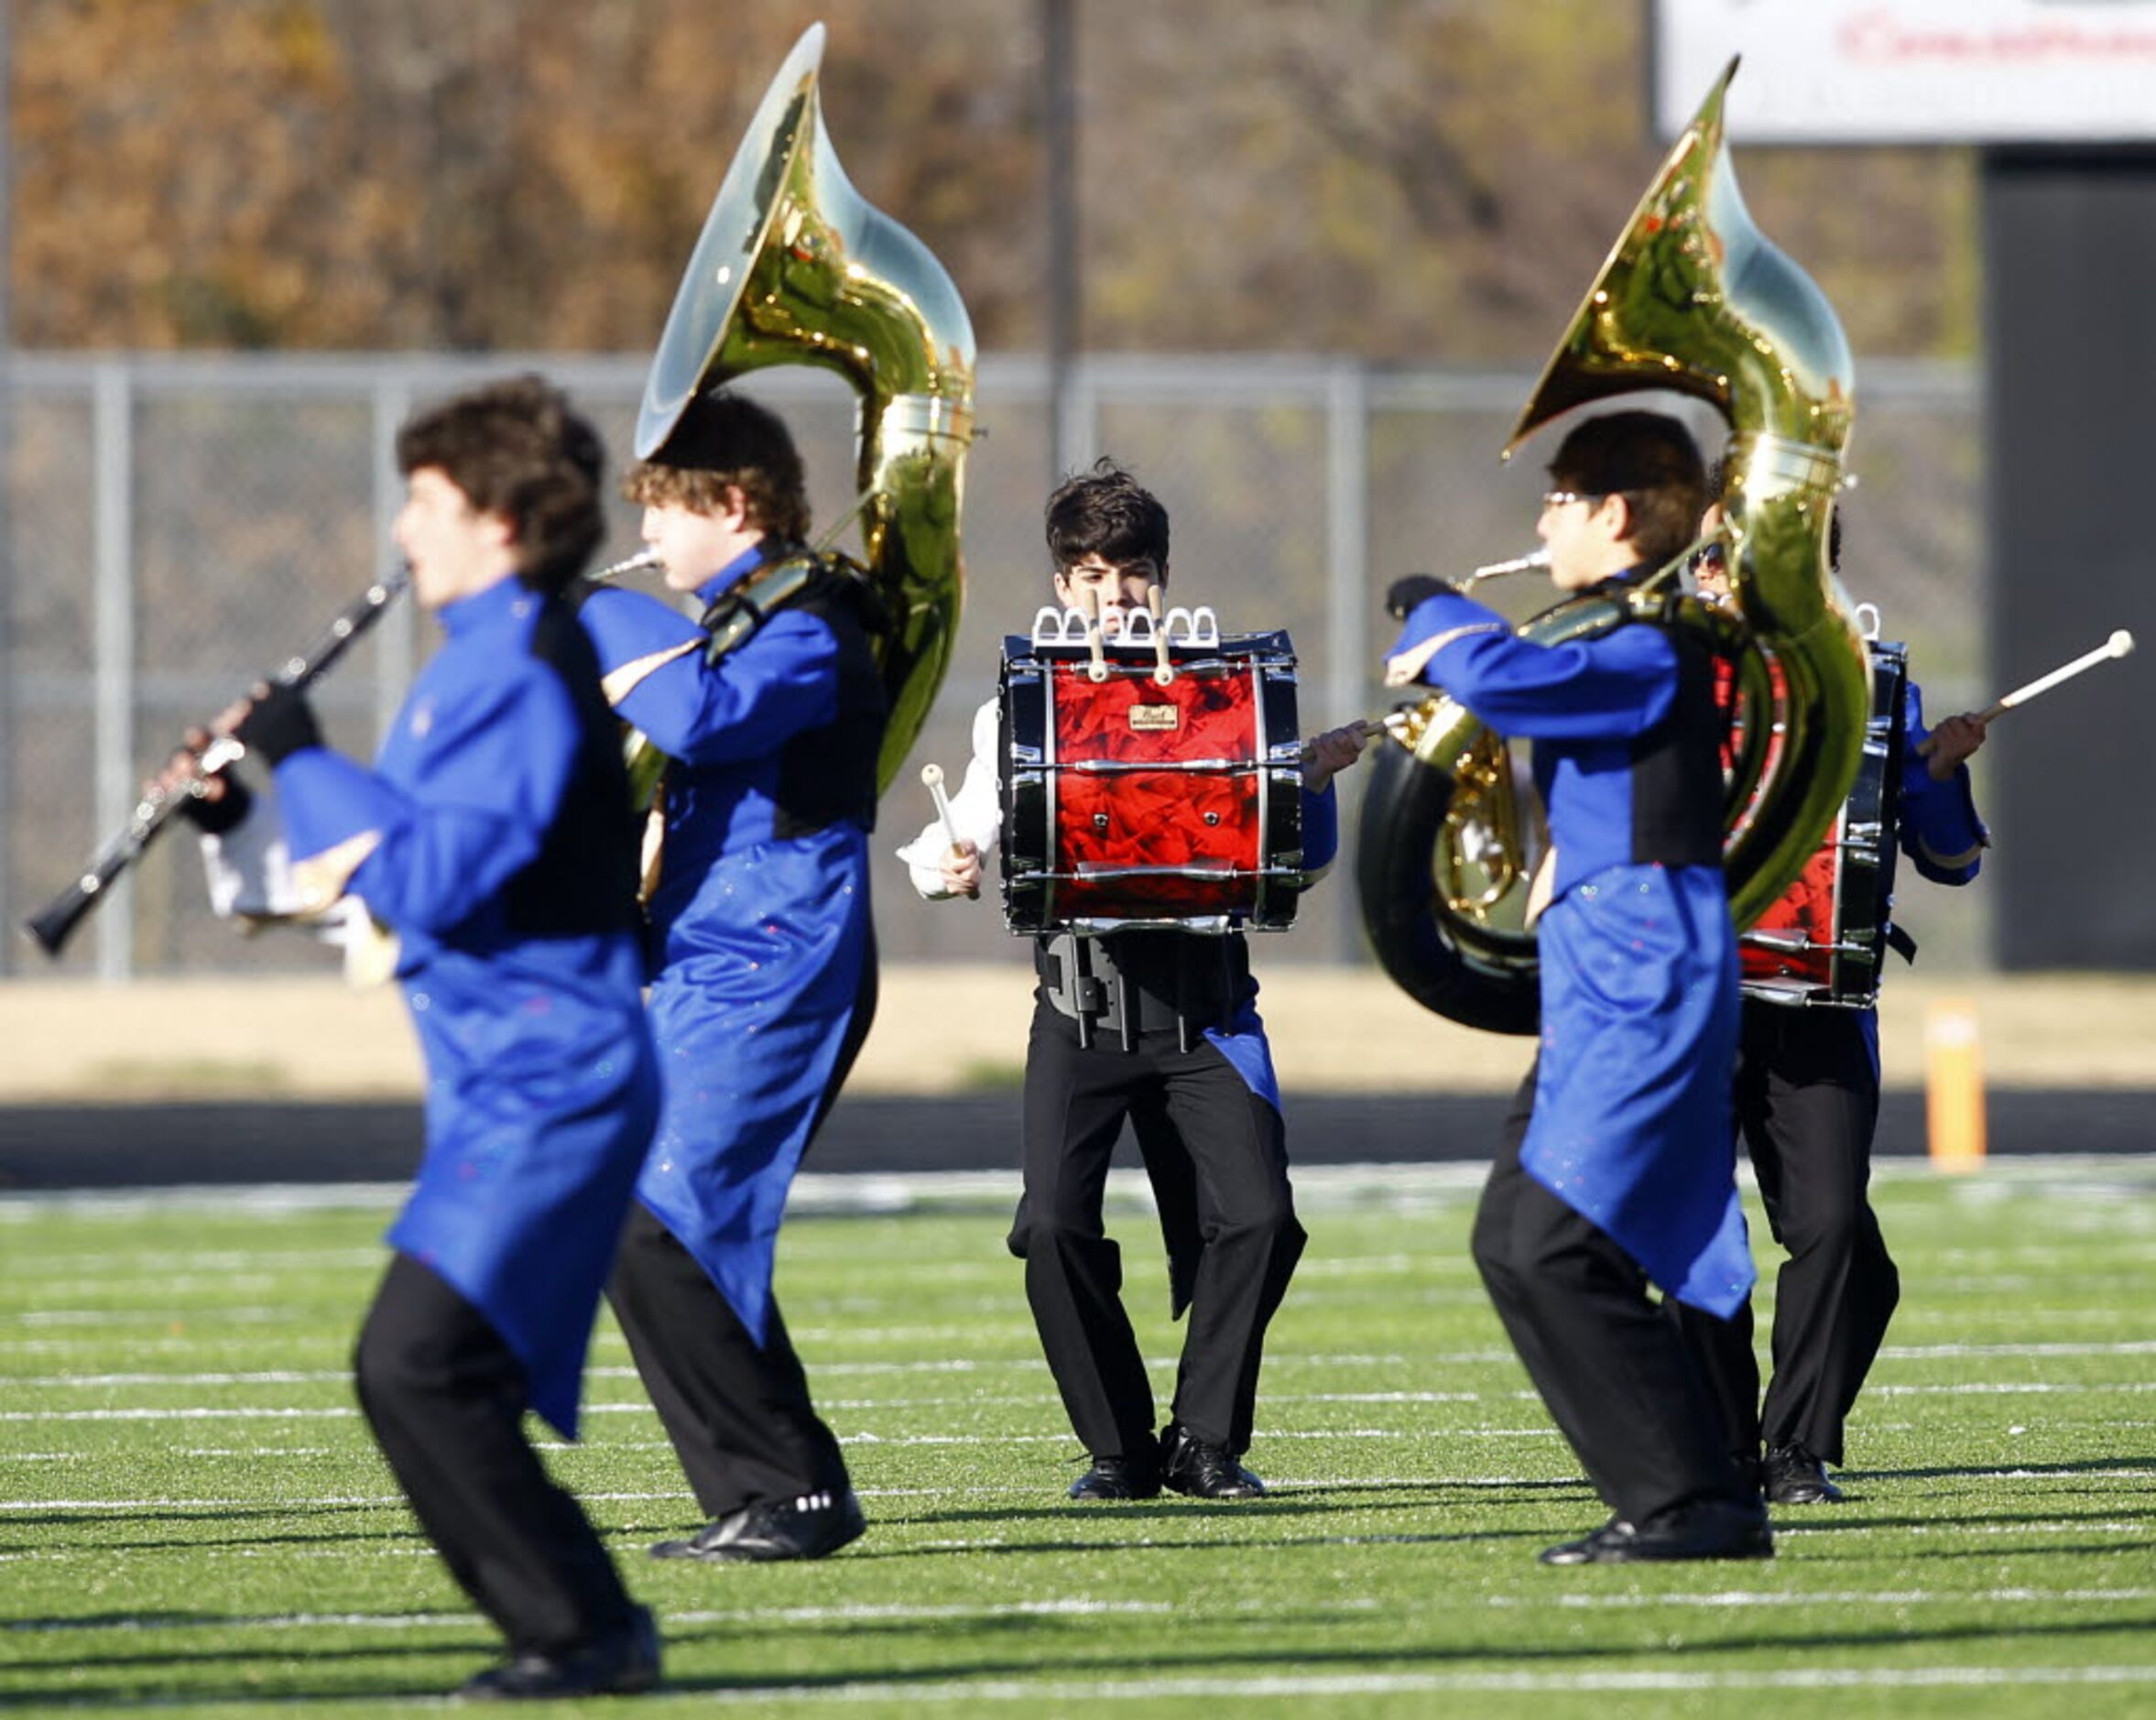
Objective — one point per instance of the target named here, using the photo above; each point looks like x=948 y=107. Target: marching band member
x=763 y=957
x=1807 y=1102
x=1617 y=1166
x=1196 y=1082
x=489 y=837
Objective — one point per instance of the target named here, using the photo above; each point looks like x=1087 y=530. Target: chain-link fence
x=175 y=526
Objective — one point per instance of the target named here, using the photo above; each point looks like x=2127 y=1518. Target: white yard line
x=1959 y=1388
x=919 y=1696
x=1740 y=1599
x=1933 y=1351
x=2005 y=1176
x=1997 y=1388
x=1084 y=1606
x=1279 y=1486
x=1284 y=1364
x=73 y=1317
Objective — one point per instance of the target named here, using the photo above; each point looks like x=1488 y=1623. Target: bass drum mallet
x=2120 y=644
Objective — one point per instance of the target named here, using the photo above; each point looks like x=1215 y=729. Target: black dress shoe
x=1205 y=1471
x=1793 y=1476
x=1711 y=1530
x=809 y=1526
x=622 y=1664
x=1117 y=1478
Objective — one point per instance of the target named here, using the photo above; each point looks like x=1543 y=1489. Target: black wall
x=2069 y=337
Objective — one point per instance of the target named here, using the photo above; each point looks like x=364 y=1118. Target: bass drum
x=1823 y=940
x=1132 y=800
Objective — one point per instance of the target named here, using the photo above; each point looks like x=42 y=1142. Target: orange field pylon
x=1953 y=1085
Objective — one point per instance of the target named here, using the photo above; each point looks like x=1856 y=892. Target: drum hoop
x=1195 y=925
x=1052 y=770
x=1806 y=995
x=1198 y=871
x=1124 y=766
x=1888 y=663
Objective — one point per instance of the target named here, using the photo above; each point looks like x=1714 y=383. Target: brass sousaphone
x=794 y=267
x=1692 y=300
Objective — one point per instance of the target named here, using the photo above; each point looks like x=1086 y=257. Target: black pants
x=738 y=1413
x=1613 y=1371
x=1075 y=1103
x=1807 y=1104
x=446 y=1400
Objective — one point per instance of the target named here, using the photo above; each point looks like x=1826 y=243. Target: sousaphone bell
x=1692 y=300
x=794 y=267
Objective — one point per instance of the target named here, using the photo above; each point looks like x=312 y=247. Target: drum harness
x=1116 y=983
x=793 y=575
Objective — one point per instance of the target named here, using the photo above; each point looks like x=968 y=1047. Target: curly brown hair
x=518 y=449
x=726 y=442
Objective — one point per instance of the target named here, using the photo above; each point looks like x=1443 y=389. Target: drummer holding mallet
x=1159 y=1025
x=1807 y=1101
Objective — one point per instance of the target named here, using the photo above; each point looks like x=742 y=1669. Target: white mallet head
x=2120 y=643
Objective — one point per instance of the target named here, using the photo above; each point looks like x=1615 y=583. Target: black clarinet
x=51 y=925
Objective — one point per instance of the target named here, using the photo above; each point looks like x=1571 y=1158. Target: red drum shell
x=1127 y=802
x=1823 y=940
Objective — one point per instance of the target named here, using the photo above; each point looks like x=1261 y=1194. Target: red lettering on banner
x=1881 y=37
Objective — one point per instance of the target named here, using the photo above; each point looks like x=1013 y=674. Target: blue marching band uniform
x=490 y=838
x=1617 y=1167
x=763 y=985
x=1807 y=1101
x=495 y=838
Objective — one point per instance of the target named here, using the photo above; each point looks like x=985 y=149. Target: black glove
x=280 y=723
x=1403 y=595
x=214 y=817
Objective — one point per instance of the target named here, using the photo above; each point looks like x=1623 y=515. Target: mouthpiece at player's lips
x=636 y=564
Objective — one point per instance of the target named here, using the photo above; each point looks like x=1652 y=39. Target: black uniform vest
x=1677 y=788
x=583 y=878
x=826 y=775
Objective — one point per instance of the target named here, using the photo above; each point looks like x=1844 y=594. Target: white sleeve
x=250 y=865
x=250 y=875
x=976 y=812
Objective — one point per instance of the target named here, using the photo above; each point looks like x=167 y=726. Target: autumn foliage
x=1411 y=180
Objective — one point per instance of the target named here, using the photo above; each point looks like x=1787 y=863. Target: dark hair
x=1104 y=511
x=518 y=449
x=726 y=441
x=1651 y=461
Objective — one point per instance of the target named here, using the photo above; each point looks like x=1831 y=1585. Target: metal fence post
x=1347 y=563
x=1077 y=431
x=112 y=624
x=392 y=639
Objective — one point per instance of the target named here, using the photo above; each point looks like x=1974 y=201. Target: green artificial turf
x=192 y=1518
